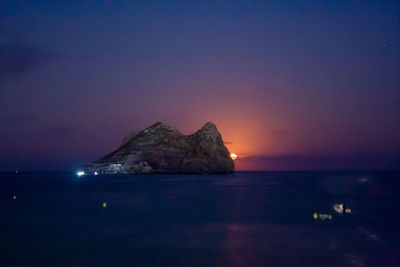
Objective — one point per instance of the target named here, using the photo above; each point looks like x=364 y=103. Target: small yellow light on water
x=315 y=215
x=14 y=197
x=104 y=204
x=16 y=171
x=233 y=156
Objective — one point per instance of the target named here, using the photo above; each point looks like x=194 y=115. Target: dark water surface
x=247 y=218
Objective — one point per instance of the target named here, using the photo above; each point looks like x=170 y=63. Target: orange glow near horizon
x=233 y=156
x=244 y=134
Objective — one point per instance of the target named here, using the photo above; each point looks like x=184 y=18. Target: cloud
x=62 y=130
x=20 y=57
x=23 y=118
x=360 y=161
x=278 y=132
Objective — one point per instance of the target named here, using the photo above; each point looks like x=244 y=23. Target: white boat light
x=80 y=173
x=95 y=173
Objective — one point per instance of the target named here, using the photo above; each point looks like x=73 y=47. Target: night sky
x=291 y=85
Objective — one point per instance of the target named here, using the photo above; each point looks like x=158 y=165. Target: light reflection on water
x=237 y=220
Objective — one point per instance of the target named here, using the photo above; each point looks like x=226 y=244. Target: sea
x=240 y=219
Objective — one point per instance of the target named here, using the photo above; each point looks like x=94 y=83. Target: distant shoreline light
x=80 y=173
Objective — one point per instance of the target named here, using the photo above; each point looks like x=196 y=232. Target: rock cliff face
x=161 y=148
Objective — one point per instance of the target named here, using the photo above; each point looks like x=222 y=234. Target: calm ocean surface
x=246 y=218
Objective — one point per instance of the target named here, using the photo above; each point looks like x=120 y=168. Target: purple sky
x=291 y=85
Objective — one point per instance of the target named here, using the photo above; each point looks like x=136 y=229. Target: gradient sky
x=291 y=85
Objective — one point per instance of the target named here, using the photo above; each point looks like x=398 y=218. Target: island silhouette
x=161 y=148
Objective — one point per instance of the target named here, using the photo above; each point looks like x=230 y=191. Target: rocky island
x=161 y=148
